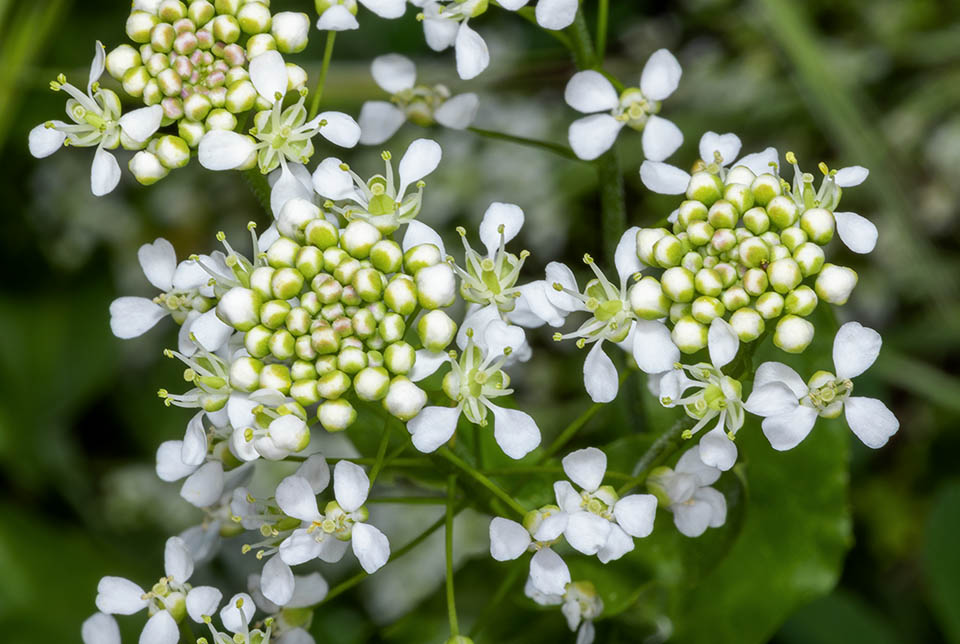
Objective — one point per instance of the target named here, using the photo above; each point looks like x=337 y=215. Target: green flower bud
x=283 y=253
x=305 y=392
x=273 y=313
x=739 y=195
x=146 y=168
x=779 y=251
x=239 y=307
x=139 y=25
x=747 y=324
x=336 y=415
x=740 y=174
x=346 y=269
x=708 y=282
x=668 y=251
x=304 y=348
x=226 y=29
x=122 y=59
x=364 y=325
x=254 y=18
x=282 y=344
x=351 y=359
x=689 y=335
x=200 y=12
x=819 y=225
x=421 y=256
x=699 y=233
x=172 y=151
x=333 y=257
x=135 y=81
x=358 y=238
x=689 y=212
x=723 y=214
x=765 y=187
x=392 y=327
x=220 y=119
x=286 y=283
x=756 y=221
x=245 y=373
x=646 y=239
x=257 y=341
x=303 y=370
x=835 y=283
x=151 y=92
x=436 y=330
x=321 y=233
x=371 y=383
x=260 y=43
x=386 y=256
x=770 y=305
x=753 y=252
x=809 y=258
x=436 y=286
x=196 y=107
x=399 y=357
x=692 y=261
x=309 y=262
x=333 y=384
x=325 y=340
x=782 y=211
x=276 y=376
x=191 y=131
x=401 y=295
x=161 y=37
x=678 y=284
x=726 y=271
x=298 y=321
x=793 y=334
x=784 y=275
x=369 y=284
x=260 y=280
x=404 y=399
x=679 y=310
x=705 y=187
x=734 y=298
x=723 y=240
x=647 y=299
x=291 y=31
x=705 y=309
x=241 y=96
x=801 y=301
x=755 y=281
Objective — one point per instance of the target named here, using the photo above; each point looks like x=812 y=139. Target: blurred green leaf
x=941 y=559
x=839 y=618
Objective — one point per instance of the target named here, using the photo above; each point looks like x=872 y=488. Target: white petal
x=235 y=619
x=170 y=465
x=131 y=317
x=635 y=514
x=340 y=129
x=548 y=572
x=476 y=321
x=204 y=487
x=389 y=9
x=393 y=72
x=556 y=14
x=439 y=33
x=419 y=233
x=587 y=631
x=691 y=519
x=276 y=582
x=653 y=348
x=625 y=257
x=600 y=375
x=471 y=52
x=726 y=145
x=552 y=527
x=857 y=233
x=690 y=463
x=337 y=18
x=97 y=65
x=309 y=590
x=770 y=372
x=593 y=135
x=119 y=596
x=722 y=342
x=533 y=309
x=287 y=187
x=773 y=399
x=586 y=467
x=590 y=91
x=567 y=498
x=44 y=141
x=331 y=181
x=189 y=274
x=786 y=431
x=618 y=544
x=870 y=420
x=268 y=73
x=515 y=431
x=370 y=546
x=717 y=503
x=104 y=173
x=350 y=485
x=716 y=450
x=458 y=112
x=561 y=274
x=513 y=5
x=508 y=215
x=300 y=547
x=852 y=176
x=379 y=120
x=240 y=411
x=100 y=628
x=760 y=162
x=855 y=348
x=177 y=562
x=426 y=364
x=498 y=337
x=660 y=76
x=316 y=471
x=661 y=138
x=508 y=539
x=203 y=600
x=332 y=550
x=296 y=636
x=224 y=149
x=160 y=629
x=420 y=159
x=159 y=262
x=210 y=332
x=586 y=532
x=296 y=498
x=140 y=124
x=664 y=178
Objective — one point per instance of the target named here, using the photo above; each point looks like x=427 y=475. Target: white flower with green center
x=591 y=93
x=790 y=407
x=167 y=602
x=707 y=395
x=325 y=535
x=600 y=522
x=685 y=491
x=612 y=319
x=97 y=121
x=540 y=529
x=340 y=15
x=445 y=25
x=579 y=602
x=235 y=617
x=474 y=380
x=187 y=459
x=382 y=201
x=421 y=104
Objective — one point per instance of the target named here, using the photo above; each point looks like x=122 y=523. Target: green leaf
x=941 y=559
x=839 y=618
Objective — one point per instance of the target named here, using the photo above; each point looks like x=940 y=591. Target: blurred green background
x=816 y=557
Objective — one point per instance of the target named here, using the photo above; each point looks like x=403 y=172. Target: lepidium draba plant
x=344 y=312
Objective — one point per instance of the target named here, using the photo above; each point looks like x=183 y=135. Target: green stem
x=547 y=469
x=613 y=207
x=515 y=574
x=661 y=448
x=555 y=148
x=570 y=430
x=584 y=55
x=448 y=540
x=322 y=79
x=482 y=480
x=410 y=500
x=603 y=16
x=260 y=187
x=381 y=451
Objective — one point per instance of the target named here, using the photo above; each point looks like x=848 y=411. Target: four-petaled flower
x=540 y=529
x=685 y=491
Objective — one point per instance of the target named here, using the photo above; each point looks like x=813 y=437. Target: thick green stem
x=581 y=47
x=381 y=451
x=613 y=207
x=448 y=541
x=322 y=79
x=554 y=148
x=481 y=479
x=603 y=16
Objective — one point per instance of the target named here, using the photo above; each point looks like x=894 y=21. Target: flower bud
x=704 y=309
x=679 y=310
x=723 y=239
x=239 y=307
x=122 y=59
x=647 y=299
x=421 y=256
x=809 y=258
x=291 y=31
x=289 y=433
x=689 y=335
x=734 y=298
x=220 y=119
x=668 y=251
x=325 y=340
x=226 y=29
x=678 y=284
x=260 y=43
x=391 y=327
x=276 y=376
x=369 y=284
x=708 y=282
x=304 y=348
x=801 y=301
x=404 y=399
x=727 y=273
x=333 y=384
x=747 y=324
x=333 y=257
x=321 y=233
x=303 y=370
x=172 y=151
x=139 y=25
x=200 y=12
x=646 y=239
x=792 y=237
x=756 y=221
x=739 y=174
x=245 y=373
x=765 y=187
x=190 y=131
x=305 y=392
x=769 y=305
x=196 y=107
x=436 y=330
x=782 y=211
x=705 y=187
x=689 y=212
x=286 y=283
x=162 y=36
x=723 y=214
x=257 y=341
x=309 y=262
x=371 y=383
x=135 y=81
x=835 y=283
x=282 y=253
x=282 y=344
x=253 y=18
x=436 y=286
x=784 y=275
x=793 y=334
x=146 y=168
x=358 y=238
x=401 y=295
x=819 y=224
x=753 y=252
x=739 y=195
x=755 y=281
x=336 y=415
x=351 y=359
x=399 y=357
x=241 y=96
x=699 y=233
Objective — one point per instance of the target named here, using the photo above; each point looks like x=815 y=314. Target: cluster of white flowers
x=348 y=303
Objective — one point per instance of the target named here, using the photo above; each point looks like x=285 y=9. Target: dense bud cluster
x=745 y=248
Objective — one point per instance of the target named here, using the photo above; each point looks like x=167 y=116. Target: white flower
x=550 y=14
x=382 y=200
x=579 y=602
x=100 y=628
x=326 y=535
x=96 y=122
x=421 y=104
x=591 y=93
x=186 y=459
x=790 y=407
x=308 y=590
x=540 y=529
x=340 y=15
x=235 y=617
x=687 y=493
x=715 y=396
x=612 y=318
x=445 y=25
x=473 y=380
x=600 y=523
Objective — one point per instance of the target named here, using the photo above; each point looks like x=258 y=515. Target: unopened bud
x=436 y=330
x=705 y=309
x=239 y=307
x=172 y=151
x=122 y=59
x=146 y=168
x=782 y=211
x=336 y=415
x=371 y=383
x=290 y=31
x=139 y=25
x=835 y=283
x=705 y=187
x=769 y=305
x=436 y=286
x=668 y=251
x=738 y=194
x=678 y=284
x=801 y=301
x=784 y=275
x=793 y=334
x=257 y=341
x=809 y=258
x=689 y=335
x=734 y=298
x=289 y=433
x=747 y=324
x=708 y=282
x=245 y=373
x=404 y=399
x=399 y=357
x=421 y=256
x=819 y=225
x=358 y=238
x=723 y=214
x=689 y=212
x=333 y=384
x=765 y=187
x=756 y=221
x=647 y=299
x=646 y=239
